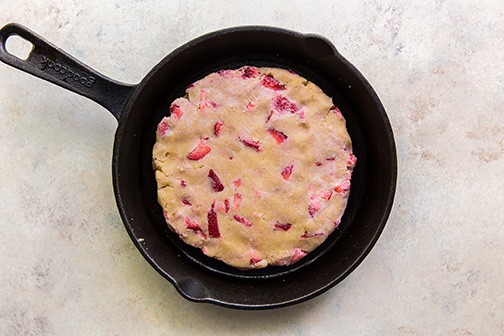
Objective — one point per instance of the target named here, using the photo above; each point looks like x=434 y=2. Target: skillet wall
x=373 y=182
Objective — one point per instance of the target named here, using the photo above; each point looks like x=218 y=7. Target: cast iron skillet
x=139 y=108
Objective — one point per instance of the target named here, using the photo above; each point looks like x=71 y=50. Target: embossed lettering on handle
x=56 y=66
x=66 y=72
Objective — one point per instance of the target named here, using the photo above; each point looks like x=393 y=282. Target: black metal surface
x=195 y=276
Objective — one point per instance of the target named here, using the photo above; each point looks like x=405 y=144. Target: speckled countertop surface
x=67 y=266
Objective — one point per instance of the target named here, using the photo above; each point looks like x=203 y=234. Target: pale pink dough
x=253 y=166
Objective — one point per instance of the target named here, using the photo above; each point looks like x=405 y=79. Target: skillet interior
x=200 y=278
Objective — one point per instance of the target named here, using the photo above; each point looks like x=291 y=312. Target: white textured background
x=67 y=266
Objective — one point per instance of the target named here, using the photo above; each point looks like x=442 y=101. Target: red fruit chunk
x=250 y=106
x=336 y=110
x=282 y=226
x=237 y=182
x=311 y=235
x=318 y=164
x=213 y=225
x=297 y=254
x=226 y=205
x=176 y=111
x=314 y=205
x=165 y=215
x=352 y=160
x=237 y=200
x=163 y=128
x=287 y=172
x=192 y=225
x=199 y=152
x=251 y=143
x=224 y=72
x=217 y=127
x=342 y=187
x=283 y=104
x=186 y=202
x=183 y=183
x=272 y=83
x=277 y=135
x=269 y=116
x=254 y=260
x=242 y=220
x=326 y=194
x=202 y=100
x=249 y=72
x=215 y=180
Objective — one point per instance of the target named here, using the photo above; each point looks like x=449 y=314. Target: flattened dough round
x=253 y=166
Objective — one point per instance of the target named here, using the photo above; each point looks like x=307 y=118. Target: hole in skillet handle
x=19 y=47
x=211 y=264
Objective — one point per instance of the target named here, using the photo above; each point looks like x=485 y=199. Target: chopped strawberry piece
x=237 y=200
x=254 y=260
x=283 y=104
x=251 y=143
x=249 y=72
x=297 y=254
x=224 y=72
x=277 y=135
x=186 y=202
x=224 y=206
x=272 y=83
x=336 y=110
x=314 y=205
x=287 y=172
x=330 y=159
x=318 y=164
x=215 y=180
x=250 y=106
x=165 y=215
x=326 y=194
x=183 y=183
x=192 y=225
x=282 y=226
x=342 y=187
x=176 y=111
x=337 y=222
x=242 y=220
x=291 y=71
x=217 y=127
x=269 y=116
x=352 y=160
x=307 y=235
x=237 y=182
x=202 y=100
x=199 y=152
x=213 y=225
x=163 y=128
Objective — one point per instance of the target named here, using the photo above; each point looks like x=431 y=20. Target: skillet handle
x=48 y=62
